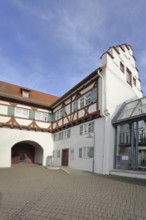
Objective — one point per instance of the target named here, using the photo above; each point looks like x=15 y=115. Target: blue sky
x=50 y=45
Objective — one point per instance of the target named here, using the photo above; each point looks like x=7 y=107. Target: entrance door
x=65 y=157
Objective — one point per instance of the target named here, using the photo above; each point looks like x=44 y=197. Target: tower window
x=129 y=76
x=134 y=81
x=122 y=68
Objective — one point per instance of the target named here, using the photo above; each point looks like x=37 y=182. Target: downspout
x=102 y=93
x=103 y=104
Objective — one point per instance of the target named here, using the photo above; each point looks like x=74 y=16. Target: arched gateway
x=26 y=152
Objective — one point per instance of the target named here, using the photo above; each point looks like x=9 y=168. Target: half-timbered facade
x=25 y=125
x=75 y=129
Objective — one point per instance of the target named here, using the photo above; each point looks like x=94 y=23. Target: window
x=68 y=133
x=56 y=137
x=60 y=135
x=25 y=92
x=20 y=112
x=63 y=135
x=134 y=81
x=86 y=152
x=75 y=105
x=42 y=116
x=51 y=117
x=129 y=76
x=93 y=95
x=58 y=115
x=91 y=127
x=87 y=99
x=122 y=68
x=82 y=102
x=61 y=113
x=56 y=153
x=87 y=128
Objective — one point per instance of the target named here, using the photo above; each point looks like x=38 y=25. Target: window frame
x=87 y=128
x=85 y=152
x=129 y=76
x=122 y=67
x=82 y=102
x=41 y=116
x=21 y=113
x=134 y=81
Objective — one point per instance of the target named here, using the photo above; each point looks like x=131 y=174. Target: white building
x=77 y=128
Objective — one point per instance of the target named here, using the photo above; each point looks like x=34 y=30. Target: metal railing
x=125 y=138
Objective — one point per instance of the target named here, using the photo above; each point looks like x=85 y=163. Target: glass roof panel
x=131 y=109
x=143 y=101
x=128 y=110
x=140 y=108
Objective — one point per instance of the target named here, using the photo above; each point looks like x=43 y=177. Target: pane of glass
x=128 y=110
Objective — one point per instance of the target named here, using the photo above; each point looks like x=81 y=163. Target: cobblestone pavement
x=36 y=193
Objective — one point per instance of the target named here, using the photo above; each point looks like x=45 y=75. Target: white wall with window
x=62 y=135
x=83 y=147
x=41 y=116
x=60 y=114
x=21 y=112
x=85 y=100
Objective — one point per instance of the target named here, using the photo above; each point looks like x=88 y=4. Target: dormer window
x=25 y=92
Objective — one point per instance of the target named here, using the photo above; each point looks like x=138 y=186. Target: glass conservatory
x=130 y=136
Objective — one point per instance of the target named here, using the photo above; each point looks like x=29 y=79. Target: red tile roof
x=15 y=91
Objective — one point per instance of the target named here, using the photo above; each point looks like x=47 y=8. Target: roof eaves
x=25 y=101
x=76 y=87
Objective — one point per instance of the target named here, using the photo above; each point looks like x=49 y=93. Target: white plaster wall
x=4 y=119
x=112 y=93
x=92 y=108
x=3 y=109
x=9 y=137
x=38 y=155
x=43 y=124
x=23 y=106
x=77 y=141
x=25 y=122
x=117 y=91
x=67 y=108
x=4 y=102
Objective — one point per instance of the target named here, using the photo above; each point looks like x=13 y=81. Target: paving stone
x=35 y=193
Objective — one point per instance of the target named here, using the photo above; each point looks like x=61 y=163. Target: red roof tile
x=16 y=91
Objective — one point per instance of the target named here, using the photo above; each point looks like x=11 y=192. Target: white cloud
x=63 y=40
x=78 y=27
x=34 y=10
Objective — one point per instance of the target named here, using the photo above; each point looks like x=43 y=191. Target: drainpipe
x=103 y=108
x=102 y=93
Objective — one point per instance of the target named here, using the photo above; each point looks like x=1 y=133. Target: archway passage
x=23 y=153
